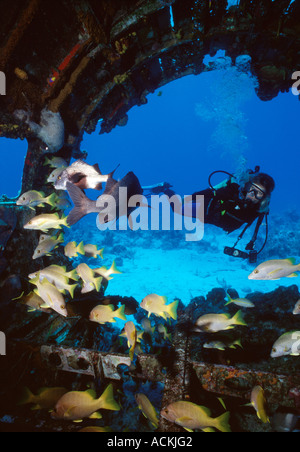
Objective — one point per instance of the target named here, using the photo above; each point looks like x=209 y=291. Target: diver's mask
x=254 y=192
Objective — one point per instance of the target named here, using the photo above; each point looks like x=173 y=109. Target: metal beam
x=236 y=382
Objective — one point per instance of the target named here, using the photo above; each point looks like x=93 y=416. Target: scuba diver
x=230 y=205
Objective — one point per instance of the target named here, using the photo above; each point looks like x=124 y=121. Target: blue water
x=166 y=140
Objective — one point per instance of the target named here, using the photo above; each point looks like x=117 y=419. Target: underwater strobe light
x=234 y=252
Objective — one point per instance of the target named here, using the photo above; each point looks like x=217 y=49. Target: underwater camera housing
x=234 y=252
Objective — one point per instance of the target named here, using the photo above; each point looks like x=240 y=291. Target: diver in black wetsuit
x=230 y=205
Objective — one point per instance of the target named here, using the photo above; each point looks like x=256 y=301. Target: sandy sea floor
x=167 y=265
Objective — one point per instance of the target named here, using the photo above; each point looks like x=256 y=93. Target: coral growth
x=51 y=129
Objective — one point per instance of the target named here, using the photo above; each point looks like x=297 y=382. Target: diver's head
x=258 y=190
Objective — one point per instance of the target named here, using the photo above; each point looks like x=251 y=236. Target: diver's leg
x=164 y=188
x=188 y=206
x=156 y=189
x=195 y=205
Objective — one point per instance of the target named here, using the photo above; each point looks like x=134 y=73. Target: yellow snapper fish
x=55 y=271
x=219 y=345
x=287 y=344
x=106 y=273
x=212 y=323
x=90 y=281
x=296 y=309
x=54 y=175
x=242 y=302
x=51 y=295
x=147 y=327
x=77 y=405
x=35 y=198
x=95 y=430
x=191 y=416
x=162 y=329
x=102 y=314
x=157 y=305
x=46 y=245
x=147 y=409
x=45 y=399
x=56 y=276
x=258 y=401
x=275 y=269
x=33 y=302
x=62 y=201
x=45 y=221
x=92 y=251
x=72 y=249
x=55 y=162
x=132 y=336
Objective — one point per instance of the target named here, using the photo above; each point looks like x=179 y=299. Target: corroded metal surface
x=79 y=361
x=236 y=382
x=96 y=60
x=56 y=350
x=177 y=381
x=94 y=363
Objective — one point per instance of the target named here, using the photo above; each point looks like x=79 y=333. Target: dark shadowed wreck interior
x=67 y=66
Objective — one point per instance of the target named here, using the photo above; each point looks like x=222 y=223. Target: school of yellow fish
x=53 y=283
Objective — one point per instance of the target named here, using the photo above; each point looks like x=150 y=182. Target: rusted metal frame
x=89 y=20
x=222 y=380
x=55 y=104
x=40 y=330
x=18 y=32
x=145 y=9
x=168 y=45
x=34 y=157
x=13 y=330
x=80 y=361
x=94 y=363
x=237 y=382
x=107 y=89
x=177 y=383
